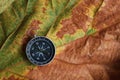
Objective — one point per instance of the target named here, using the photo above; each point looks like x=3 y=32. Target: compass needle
x=39 y=48
x=42 y=47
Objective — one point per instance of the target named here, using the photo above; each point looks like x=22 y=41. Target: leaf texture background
x=86 y=34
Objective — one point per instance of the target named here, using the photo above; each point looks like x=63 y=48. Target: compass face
x=40 y=50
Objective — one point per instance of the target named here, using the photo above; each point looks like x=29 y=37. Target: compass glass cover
x=40 y=50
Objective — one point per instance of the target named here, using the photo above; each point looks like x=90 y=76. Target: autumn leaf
x=86 y=34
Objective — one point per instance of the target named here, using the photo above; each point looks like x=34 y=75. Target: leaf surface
x=83 y=32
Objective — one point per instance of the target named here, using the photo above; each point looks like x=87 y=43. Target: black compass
x=40 y=50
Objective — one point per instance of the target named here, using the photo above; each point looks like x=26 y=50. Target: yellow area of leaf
x=5 y=4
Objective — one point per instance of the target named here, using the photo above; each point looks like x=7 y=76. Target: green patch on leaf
x=90 y=31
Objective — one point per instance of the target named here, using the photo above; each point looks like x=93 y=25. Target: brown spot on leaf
x=34 y=26
x=43 y=10
x=46 y=2
x=68 y=28
x=108 y=15
x=79 y=18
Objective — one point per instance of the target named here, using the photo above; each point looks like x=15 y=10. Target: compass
x=40 y=50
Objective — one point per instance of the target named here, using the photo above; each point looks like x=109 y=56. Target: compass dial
x=40 y=50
